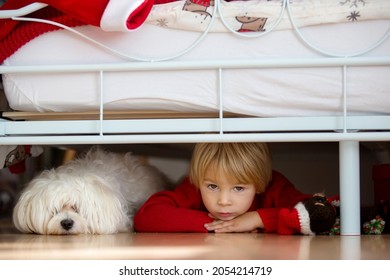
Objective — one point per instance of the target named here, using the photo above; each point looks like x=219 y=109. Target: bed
x=197 y=71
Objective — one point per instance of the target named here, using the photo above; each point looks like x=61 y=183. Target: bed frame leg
x=349 y=158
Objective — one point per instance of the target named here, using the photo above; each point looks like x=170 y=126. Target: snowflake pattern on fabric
x=162 y=22
x=353 y=16
x=354 y=4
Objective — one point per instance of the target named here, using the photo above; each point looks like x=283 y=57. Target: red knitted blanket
x=24 y=31
x=14 y=34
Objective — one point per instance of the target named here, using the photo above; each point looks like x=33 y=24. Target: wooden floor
x=14 y=245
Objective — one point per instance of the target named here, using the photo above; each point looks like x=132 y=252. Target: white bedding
x=196 y=14
x=266 y=92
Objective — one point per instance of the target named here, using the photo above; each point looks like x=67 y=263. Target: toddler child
x=231 y=187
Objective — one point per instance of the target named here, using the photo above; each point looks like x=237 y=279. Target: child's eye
x=238 y=189
x=212 y=187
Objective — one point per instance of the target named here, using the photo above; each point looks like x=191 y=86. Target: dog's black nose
x=67 y=224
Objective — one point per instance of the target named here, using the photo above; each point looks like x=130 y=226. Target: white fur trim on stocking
x=117 y=13
x=304 y=219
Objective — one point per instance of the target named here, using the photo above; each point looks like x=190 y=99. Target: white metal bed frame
x=347 y=130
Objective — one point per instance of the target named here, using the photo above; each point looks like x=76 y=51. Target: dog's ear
x=20 y=213
x=34 y=207
x=104 y=211
x=30 y=215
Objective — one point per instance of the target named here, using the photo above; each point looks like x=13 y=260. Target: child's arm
x=313 y=216
x=173 y=211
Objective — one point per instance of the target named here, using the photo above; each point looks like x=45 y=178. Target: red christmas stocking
x=14 y=157
x=110 y=15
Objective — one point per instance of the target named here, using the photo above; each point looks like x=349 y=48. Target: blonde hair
x=245 y=162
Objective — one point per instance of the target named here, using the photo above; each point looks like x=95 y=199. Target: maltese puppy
x=98 y=193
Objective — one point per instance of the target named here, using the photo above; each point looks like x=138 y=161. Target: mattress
x=310 y=91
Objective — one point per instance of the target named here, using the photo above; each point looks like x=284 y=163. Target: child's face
x=224 y=197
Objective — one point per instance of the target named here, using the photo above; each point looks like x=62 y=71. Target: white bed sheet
x=265 y=92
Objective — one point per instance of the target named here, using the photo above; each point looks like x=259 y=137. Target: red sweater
x=182 y=209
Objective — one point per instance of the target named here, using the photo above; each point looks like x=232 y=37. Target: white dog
x=98 y=193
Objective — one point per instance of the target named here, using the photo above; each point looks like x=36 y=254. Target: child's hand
x=247 y=222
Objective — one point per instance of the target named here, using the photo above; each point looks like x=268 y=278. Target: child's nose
x=224 y=199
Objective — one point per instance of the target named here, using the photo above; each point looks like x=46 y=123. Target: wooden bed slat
x=112 y=115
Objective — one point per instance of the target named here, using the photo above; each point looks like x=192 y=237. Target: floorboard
x=190 y=246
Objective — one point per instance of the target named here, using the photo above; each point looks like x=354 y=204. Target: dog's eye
x=75 y=208
x=54 y=212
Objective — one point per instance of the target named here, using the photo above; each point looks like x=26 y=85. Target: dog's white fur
x=98 y=193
